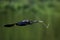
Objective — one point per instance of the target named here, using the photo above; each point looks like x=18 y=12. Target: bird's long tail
x=9 y=25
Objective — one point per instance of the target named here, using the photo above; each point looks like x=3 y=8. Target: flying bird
x=23 y=23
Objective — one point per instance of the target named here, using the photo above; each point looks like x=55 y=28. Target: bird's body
x=23 y=23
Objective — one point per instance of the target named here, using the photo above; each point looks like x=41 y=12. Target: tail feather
x=9 y=25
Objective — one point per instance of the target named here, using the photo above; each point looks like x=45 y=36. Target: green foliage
x=51 y=5
x=25 y=6
x=45 y=10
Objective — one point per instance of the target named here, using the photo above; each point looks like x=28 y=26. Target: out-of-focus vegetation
x=12 y=11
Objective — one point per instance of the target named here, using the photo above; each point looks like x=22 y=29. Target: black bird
x=23 y=23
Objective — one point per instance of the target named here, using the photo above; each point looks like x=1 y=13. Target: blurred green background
x=12 y=11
